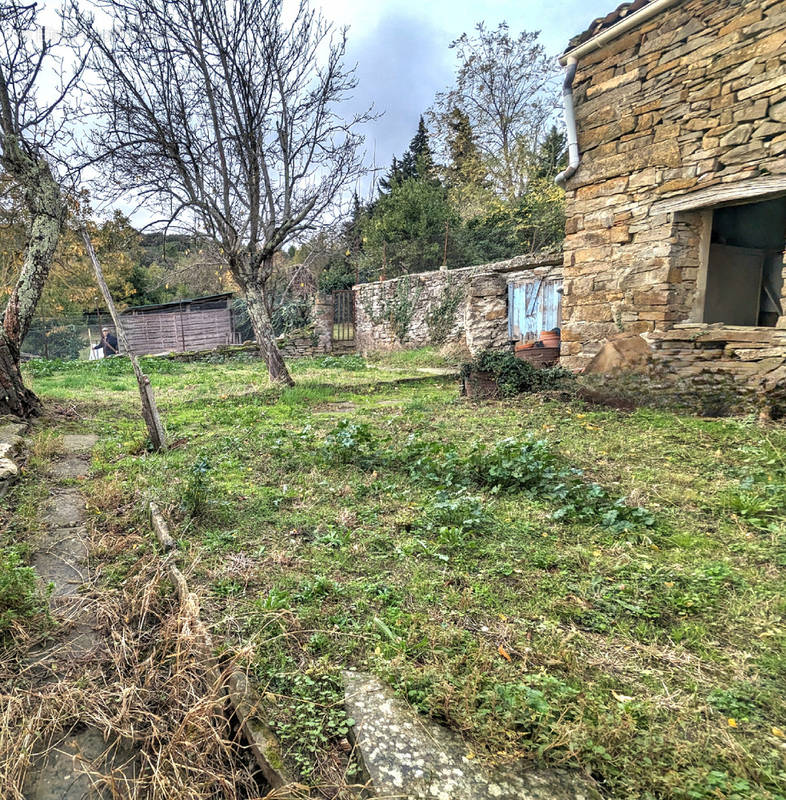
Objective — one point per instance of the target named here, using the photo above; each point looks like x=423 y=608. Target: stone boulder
x=407 y=756
x=627 y=352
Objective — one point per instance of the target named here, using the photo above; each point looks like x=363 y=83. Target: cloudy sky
x=401 y=48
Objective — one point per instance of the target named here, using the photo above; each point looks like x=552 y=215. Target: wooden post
x=445 y=258
x=155 y=428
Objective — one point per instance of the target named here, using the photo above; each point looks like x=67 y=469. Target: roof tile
x=602 y=23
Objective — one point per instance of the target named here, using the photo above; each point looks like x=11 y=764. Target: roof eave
x=613 y=31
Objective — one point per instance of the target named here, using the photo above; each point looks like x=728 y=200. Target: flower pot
x=550 y=338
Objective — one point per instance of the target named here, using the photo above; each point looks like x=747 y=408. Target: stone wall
x=303 y=342
x=466 y=307
x=751 y=359
x=707 y=369
x=692 y=100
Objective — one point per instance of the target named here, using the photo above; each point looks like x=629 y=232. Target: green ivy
x=440 y=319
x=397 y=309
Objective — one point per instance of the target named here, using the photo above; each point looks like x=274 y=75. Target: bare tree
x=505 y=86
x=223 y=114
x=27 y=132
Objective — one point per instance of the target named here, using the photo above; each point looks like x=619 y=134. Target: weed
x=45 y=446
x=350 y=442
x=311 y=716
x=196 y=494
x=20 y=598
x=275 y=600
x=760 y=505
x=453 y=515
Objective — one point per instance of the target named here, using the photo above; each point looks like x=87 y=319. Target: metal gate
x=534 y=305
x=343 y=315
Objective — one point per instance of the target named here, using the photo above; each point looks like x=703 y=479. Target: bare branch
x=226 y=113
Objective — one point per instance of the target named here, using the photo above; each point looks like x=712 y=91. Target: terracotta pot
x=550 y=339
x=523 y=346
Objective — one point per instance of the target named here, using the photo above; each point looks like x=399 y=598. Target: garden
x=564 y=584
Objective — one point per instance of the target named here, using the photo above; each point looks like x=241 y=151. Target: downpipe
x=574 y=157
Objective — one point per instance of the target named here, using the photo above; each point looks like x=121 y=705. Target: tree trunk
x=263 y=331
x=15 y=397
x=47 y=214
x=155 y=427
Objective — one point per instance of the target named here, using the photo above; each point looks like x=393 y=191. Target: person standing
x=108 y=343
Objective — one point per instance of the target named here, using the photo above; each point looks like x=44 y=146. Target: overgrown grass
x=468 y=554
x=23 y=597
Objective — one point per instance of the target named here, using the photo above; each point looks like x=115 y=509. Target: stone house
x=676 y=188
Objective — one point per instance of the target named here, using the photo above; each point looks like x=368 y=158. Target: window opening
x=745 y=269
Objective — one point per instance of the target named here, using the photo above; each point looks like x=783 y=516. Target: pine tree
x=418 y=162
x=551 y=156
x=393 y=178
x=466 y=166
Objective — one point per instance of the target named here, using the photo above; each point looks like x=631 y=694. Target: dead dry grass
x=148 y=691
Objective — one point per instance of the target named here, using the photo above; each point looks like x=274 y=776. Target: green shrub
x=514 y=376
x=196 y=495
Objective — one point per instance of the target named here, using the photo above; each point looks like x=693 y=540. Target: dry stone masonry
x=465 y=307
x=10 y=445
x=681 y=120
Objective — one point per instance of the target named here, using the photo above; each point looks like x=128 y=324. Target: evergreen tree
x=393 y=178
x=406 y=231
x=418 y=162
x=466 y=166
x=551 y=156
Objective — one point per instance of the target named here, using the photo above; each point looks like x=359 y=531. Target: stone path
x=62 y=558
x=409 y=757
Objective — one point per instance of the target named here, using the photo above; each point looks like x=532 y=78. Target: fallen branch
x=155 y=428
x=245 y=702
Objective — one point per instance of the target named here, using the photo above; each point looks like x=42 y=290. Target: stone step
x=407 y=756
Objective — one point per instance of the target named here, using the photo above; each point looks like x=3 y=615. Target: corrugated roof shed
x=179 y=304
x=601 y=23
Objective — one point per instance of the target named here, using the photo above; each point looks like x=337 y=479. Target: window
x=745 y=264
